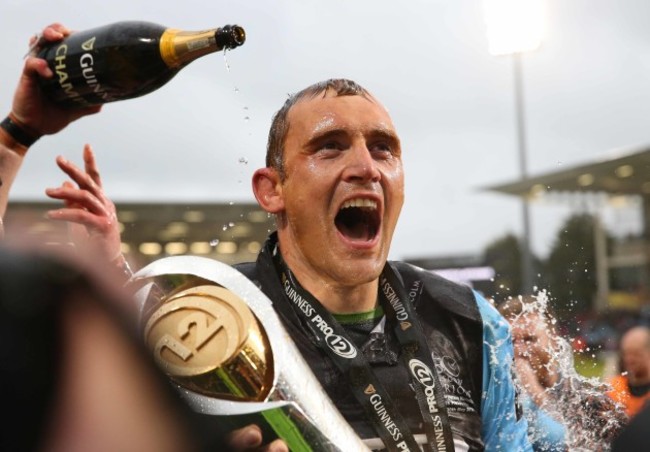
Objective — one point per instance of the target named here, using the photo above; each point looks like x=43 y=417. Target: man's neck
x=335 y=297
x=343 y=300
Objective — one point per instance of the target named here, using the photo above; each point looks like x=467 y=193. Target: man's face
x=531 y=340
x=343 y=188
x=636 y=356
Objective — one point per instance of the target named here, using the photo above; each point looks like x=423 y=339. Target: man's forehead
x=327 y=108
x=634 y=339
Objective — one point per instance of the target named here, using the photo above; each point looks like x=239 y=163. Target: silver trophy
x=219 y=340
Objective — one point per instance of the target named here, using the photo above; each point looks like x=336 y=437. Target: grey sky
x=587 y=92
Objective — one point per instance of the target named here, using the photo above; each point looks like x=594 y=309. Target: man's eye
x=331 y=145
x=383 y=149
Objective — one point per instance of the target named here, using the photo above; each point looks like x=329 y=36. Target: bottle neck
x=178 y=48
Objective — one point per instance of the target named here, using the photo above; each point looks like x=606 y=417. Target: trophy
x=218 y=338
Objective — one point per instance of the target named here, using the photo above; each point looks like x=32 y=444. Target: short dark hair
x=280 y=123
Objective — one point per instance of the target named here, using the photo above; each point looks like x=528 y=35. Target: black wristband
x=18 y=132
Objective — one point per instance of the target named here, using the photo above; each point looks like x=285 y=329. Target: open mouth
x=358 y=219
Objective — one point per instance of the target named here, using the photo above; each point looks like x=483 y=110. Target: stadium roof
x=623 y=172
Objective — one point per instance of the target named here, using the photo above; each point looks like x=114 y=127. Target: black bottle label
x=105 y=65
x=77 y=64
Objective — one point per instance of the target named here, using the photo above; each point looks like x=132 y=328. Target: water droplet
x=243 y=160
x=214 y=242
x=247 y=118
x=236 y=90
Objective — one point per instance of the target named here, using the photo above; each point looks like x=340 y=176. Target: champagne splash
x=225 y=60
x=547 y=379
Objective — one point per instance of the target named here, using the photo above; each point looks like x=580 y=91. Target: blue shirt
x=503 y=429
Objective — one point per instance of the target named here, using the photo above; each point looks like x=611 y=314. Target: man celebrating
x=420 y=359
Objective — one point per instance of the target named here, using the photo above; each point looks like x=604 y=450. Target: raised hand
x=37 y=114
x=91 y=214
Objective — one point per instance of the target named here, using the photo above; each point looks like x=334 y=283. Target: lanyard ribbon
x=389 y=424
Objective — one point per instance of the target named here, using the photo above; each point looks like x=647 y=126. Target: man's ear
x=267 y=188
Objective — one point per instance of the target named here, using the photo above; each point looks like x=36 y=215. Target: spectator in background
x=564 y=411
x=632 y=387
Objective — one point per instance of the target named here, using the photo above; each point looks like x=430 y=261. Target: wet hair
x=280 y=123
x=514 y=307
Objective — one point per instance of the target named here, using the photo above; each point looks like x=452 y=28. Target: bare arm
x=32 y=115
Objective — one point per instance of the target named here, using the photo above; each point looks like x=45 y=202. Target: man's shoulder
x=249 y=269
x=457 y=298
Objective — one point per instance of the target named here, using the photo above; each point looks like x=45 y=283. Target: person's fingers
x=245 y=438
x=52 y=33
x=80 y=216
x=35 y=67
x=82 y=199
x=83 y=180
x=67 y=202
x=90 y=165
x=276 y=446
x=55 y=32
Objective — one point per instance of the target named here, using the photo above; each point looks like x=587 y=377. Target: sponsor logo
x=387 y=421
x=424 y=376
x=87 y=63
x=394 y=300
x=339 y=345
x=295 y=297
x=197 y=330
x=87 y=66
x=60 y=69
x=450 y=366
x=88 y=45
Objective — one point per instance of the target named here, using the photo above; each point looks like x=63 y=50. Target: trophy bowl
x=219 y=340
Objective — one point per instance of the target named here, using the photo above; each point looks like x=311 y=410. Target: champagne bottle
x=125 y=60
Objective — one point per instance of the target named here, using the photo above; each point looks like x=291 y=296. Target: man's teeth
x=360 y=202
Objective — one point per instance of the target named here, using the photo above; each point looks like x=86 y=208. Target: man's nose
x=360 y=165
